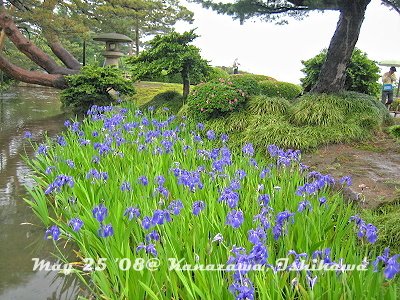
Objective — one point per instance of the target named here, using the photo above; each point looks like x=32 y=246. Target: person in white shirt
x=388 y=80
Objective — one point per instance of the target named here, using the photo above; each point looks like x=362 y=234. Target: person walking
x=236 y=66
x=388 y=79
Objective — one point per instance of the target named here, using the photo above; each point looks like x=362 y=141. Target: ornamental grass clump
x=164 y=209
x=311 y=121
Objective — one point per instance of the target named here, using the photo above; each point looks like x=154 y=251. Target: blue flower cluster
x=369 y=231
x=58 y=183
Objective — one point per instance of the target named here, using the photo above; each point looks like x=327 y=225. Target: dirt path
x=373 y=166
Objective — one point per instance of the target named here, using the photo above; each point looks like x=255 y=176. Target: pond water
x=21 y=235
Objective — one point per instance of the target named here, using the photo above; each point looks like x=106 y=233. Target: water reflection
x=36 y=110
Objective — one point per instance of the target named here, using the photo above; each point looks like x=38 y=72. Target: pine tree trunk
x=333 y=72
x=137 y=37
x=29 y=49
x=186 y=82
x=35 y=77
x=67 y=58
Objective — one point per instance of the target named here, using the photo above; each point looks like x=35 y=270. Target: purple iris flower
x=224 y=138
x=132 y=212
x=27 y=135
x=150 y=248
x=160 y=217
x=234 y=218
x=248 y=149
x=58 y=183
x=143 y=180
x=53 y=232
x=106 y=231
x=256 y=236
x=76 y=224
x=153 y=236
x=175 y=207
x=146 y=223
x=303 y=205
x=125 y=186
x=160 y=180
x=197 y=207
x=346 y=180
x=264 y=199
x=230 y=197
x=100 y=212
x=211 y=135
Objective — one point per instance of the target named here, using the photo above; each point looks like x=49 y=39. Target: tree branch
x=63 y=54
x=391 y=5
x=30 y=50
x=35 y=77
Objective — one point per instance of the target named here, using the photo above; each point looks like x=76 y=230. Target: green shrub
x=92 y=86
x=396 y=104
x=279 y=89
x=244 y=83
x=268 y=105
x=170 y=100
x=362 y=74
x=395 y=131
x=259 y=78
x=214 y=99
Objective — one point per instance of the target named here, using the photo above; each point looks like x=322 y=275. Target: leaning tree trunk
x=39 y=57
x=42 y=59
x=66 y=57
x=35 y=77
x=333 y=72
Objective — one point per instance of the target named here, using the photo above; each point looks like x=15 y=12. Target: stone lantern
x=112 y=52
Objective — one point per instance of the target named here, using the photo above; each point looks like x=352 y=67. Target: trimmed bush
x=395 y=105
x=256 y=77
x=244 y=83
x=237 y=121
x=285 y=90
x=92 y=86
x=214 y=99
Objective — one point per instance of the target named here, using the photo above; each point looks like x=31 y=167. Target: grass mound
x=169 y=100
x=311 y=121
x=317 y=110
x=261 y=105
x=146 y=90
x=395 y=131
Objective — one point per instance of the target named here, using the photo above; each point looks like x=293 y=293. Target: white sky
x=277 y=50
